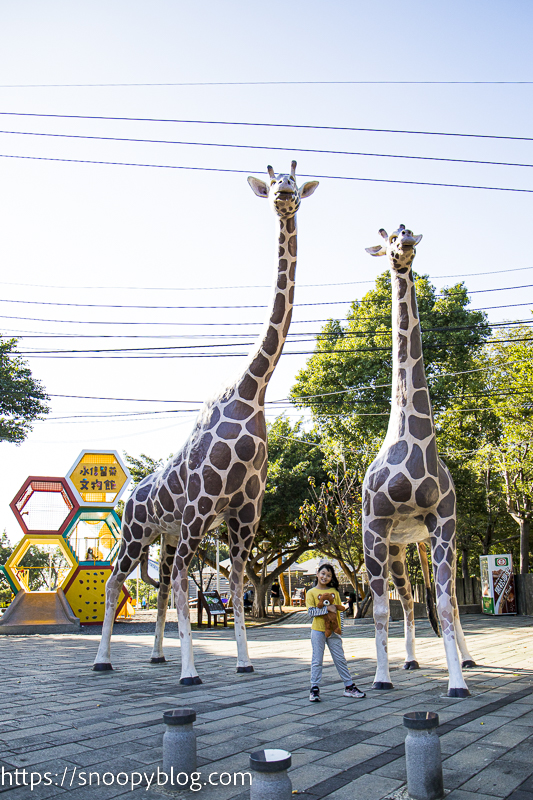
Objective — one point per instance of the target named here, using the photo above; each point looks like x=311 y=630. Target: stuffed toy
x=330 y=621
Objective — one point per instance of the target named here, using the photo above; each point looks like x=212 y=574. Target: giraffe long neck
x=269 y=346
x=410 y=396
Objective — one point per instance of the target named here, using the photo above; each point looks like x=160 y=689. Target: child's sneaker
x=314 y=695
x=353 y=691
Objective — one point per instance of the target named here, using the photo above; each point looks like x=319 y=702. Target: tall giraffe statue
x=220 y=472
x=408 y=492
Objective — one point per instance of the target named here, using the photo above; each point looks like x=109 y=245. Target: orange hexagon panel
x=98 y=478
x=44 y=505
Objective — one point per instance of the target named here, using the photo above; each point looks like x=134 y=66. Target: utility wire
x=230 y=324
x=247 y=172
x=210 y=308
x=264 y=83
x=267 y=147
x=252 y=286
x=262 y=125
x=168 y=352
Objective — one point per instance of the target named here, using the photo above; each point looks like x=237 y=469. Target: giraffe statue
x=220 y=472
x=408 y=492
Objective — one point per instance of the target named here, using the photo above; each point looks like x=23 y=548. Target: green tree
x=5 y=551
x=511 y=374
x=346 y=382
x=22 y=397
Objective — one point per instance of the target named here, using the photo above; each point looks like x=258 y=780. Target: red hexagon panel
x=44 y=505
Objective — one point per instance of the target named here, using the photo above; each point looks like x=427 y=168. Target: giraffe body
x=408 y=492
x=220 y=472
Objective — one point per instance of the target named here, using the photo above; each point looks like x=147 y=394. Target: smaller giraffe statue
x=408 y=492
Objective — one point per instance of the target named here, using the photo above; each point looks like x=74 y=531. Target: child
x=326 y=581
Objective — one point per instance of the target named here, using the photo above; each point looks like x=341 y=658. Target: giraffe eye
x=393 y=239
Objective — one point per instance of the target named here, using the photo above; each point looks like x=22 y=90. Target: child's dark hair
x=334 y=582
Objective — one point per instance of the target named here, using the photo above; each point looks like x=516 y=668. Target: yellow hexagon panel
x=20 y=576
x=85 y=593
x=98 y=478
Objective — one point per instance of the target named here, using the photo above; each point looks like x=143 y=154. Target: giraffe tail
x=144 y=571
x=430 y=601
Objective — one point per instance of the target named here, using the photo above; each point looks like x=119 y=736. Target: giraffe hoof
x=158 y=660
x=102 y=667
x=196 y=681
x=458 y=692
x=245 y=669
x=411 y=665
x=468 y=664
x=382 y=685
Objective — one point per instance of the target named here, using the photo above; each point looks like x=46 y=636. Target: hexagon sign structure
x=98 y=478
x=17 y=577
x=44 y=505
x=94 y=535
x=85 y=593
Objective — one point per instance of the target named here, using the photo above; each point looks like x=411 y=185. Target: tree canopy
x=22 y=397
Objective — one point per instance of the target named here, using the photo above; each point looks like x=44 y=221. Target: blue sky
x=166 y=236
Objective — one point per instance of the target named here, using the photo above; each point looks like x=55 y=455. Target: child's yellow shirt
x=311 y=601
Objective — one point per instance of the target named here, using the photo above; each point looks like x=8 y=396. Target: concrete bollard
x=179 y=742
x=423 y=758
x=270 y=780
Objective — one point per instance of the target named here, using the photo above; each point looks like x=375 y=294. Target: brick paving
x=59 y=717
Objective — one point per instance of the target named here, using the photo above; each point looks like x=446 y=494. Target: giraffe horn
x=293 y=169
x=271 y=173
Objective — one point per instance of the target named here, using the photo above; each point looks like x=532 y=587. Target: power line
x=211 y=307
x=262 y=125
x=251 y=286
x=168 y=352
x=266 y=147
x=262 y=83
x=247 y=172
x=291 y=337
x=225 y=324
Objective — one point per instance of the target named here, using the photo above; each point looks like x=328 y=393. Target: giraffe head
x=399 y=247
x=283 y=193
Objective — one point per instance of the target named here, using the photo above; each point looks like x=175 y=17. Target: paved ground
x=60 y=717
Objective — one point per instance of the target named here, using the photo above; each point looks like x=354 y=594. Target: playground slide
x=39 y=612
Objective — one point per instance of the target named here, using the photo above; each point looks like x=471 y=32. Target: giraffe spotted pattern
x=220 y=472
x=408 y=492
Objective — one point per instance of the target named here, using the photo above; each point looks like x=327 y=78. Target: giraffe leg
x=123 y=567
x=376 y=544
x=241 y=538
x=443 y=557
x=467 y=661
x=168 y=551
x=401 y=581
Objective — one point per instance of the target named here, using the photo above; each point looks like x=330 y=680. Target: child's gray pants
x=334 y=642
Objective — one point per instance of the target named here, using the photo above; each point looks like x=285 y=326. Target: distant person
x=248 y=599
x=276 y=597
x=350 y=597
x=143 y=603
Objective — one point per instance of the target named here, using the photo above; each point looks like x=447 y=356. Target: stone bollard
x=423 y=758
x=270 y=780
x=179 y=742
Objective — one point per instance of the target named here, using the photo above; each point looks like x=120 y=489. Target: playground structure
x=76 y=515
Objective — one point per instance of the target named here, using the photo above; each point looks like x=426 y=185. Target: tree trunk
x=525 y=525
x=260 y=606
x=464 y=563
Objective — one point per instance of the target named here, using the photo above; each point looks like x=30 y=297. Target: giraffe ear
x=418 y=239
x=378 y=250
x=308 y=188
x=258 y=187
